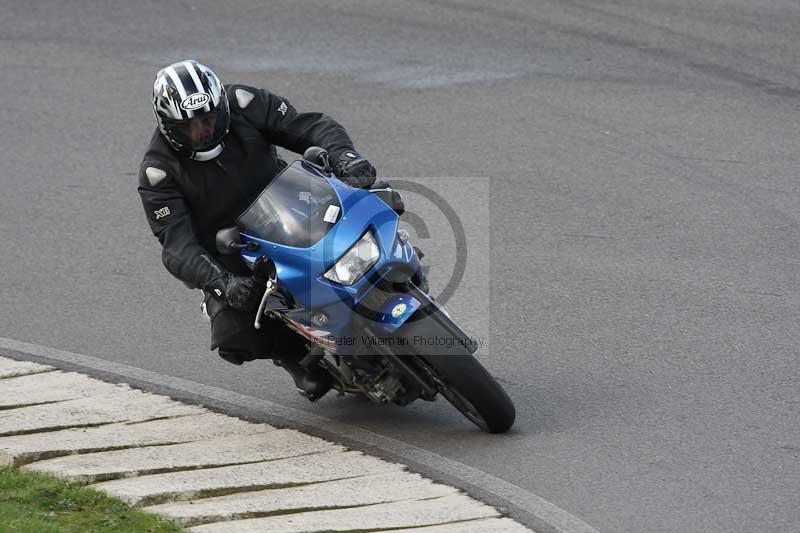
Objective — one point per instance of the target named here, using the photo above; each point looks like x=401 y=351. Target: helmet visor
x=200 y=132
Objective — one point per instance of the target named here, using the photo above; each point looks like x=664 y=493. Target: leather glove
x=239 y=292
x=354 y=170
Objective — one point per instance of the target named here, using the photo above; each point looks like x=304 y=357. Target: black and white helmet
x=191 y=109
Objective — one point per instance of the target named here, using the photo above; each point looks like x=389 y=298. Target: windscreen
x=296 y=209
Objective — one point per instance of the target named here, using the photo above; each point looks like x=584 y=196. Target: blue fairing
x=300 y=270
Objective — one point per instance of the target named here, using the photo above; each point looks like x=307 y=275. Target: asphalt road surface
x=626 y=172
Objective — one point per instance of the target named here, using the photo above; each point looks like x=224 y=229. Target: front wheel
x=473 y=391
x=458 y=376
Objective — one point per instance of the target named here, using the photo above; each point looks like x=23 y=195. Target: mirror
x=390 y=197
x=319 y=157
x=229 y=241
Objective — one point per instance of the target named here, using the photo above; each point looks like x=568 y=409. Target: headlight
x=356 y=262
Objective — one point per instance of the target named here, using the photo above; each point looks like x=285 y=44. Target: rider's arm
x=282 y=125
x=169 y=219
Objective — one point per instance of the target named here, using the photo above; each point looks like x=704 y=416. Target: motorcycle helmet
x=191 y=109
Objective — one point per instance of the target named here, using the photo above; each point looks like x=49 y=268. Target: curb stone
x=177 y=458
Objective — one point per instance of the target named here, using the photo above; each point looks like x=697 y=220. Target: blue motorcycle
x=340 y=273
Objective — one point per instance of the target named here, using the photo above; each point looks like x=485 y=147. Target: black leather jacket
x=186 y=202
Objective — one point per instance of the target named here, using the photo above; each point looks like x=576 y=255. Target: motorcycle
x=340 y=273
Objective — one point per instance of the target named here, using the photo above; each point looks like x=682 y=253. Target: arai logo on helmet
x=195 y=101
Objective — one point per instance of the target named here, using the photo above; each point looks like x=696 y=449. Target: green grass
x=38 y=503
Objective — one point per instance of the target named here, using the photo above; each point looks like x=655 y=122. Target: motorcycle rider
x=211 y=155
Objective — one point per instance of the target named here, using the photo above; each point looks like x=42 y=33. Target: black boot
x=311 y=383
x=236 y=357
